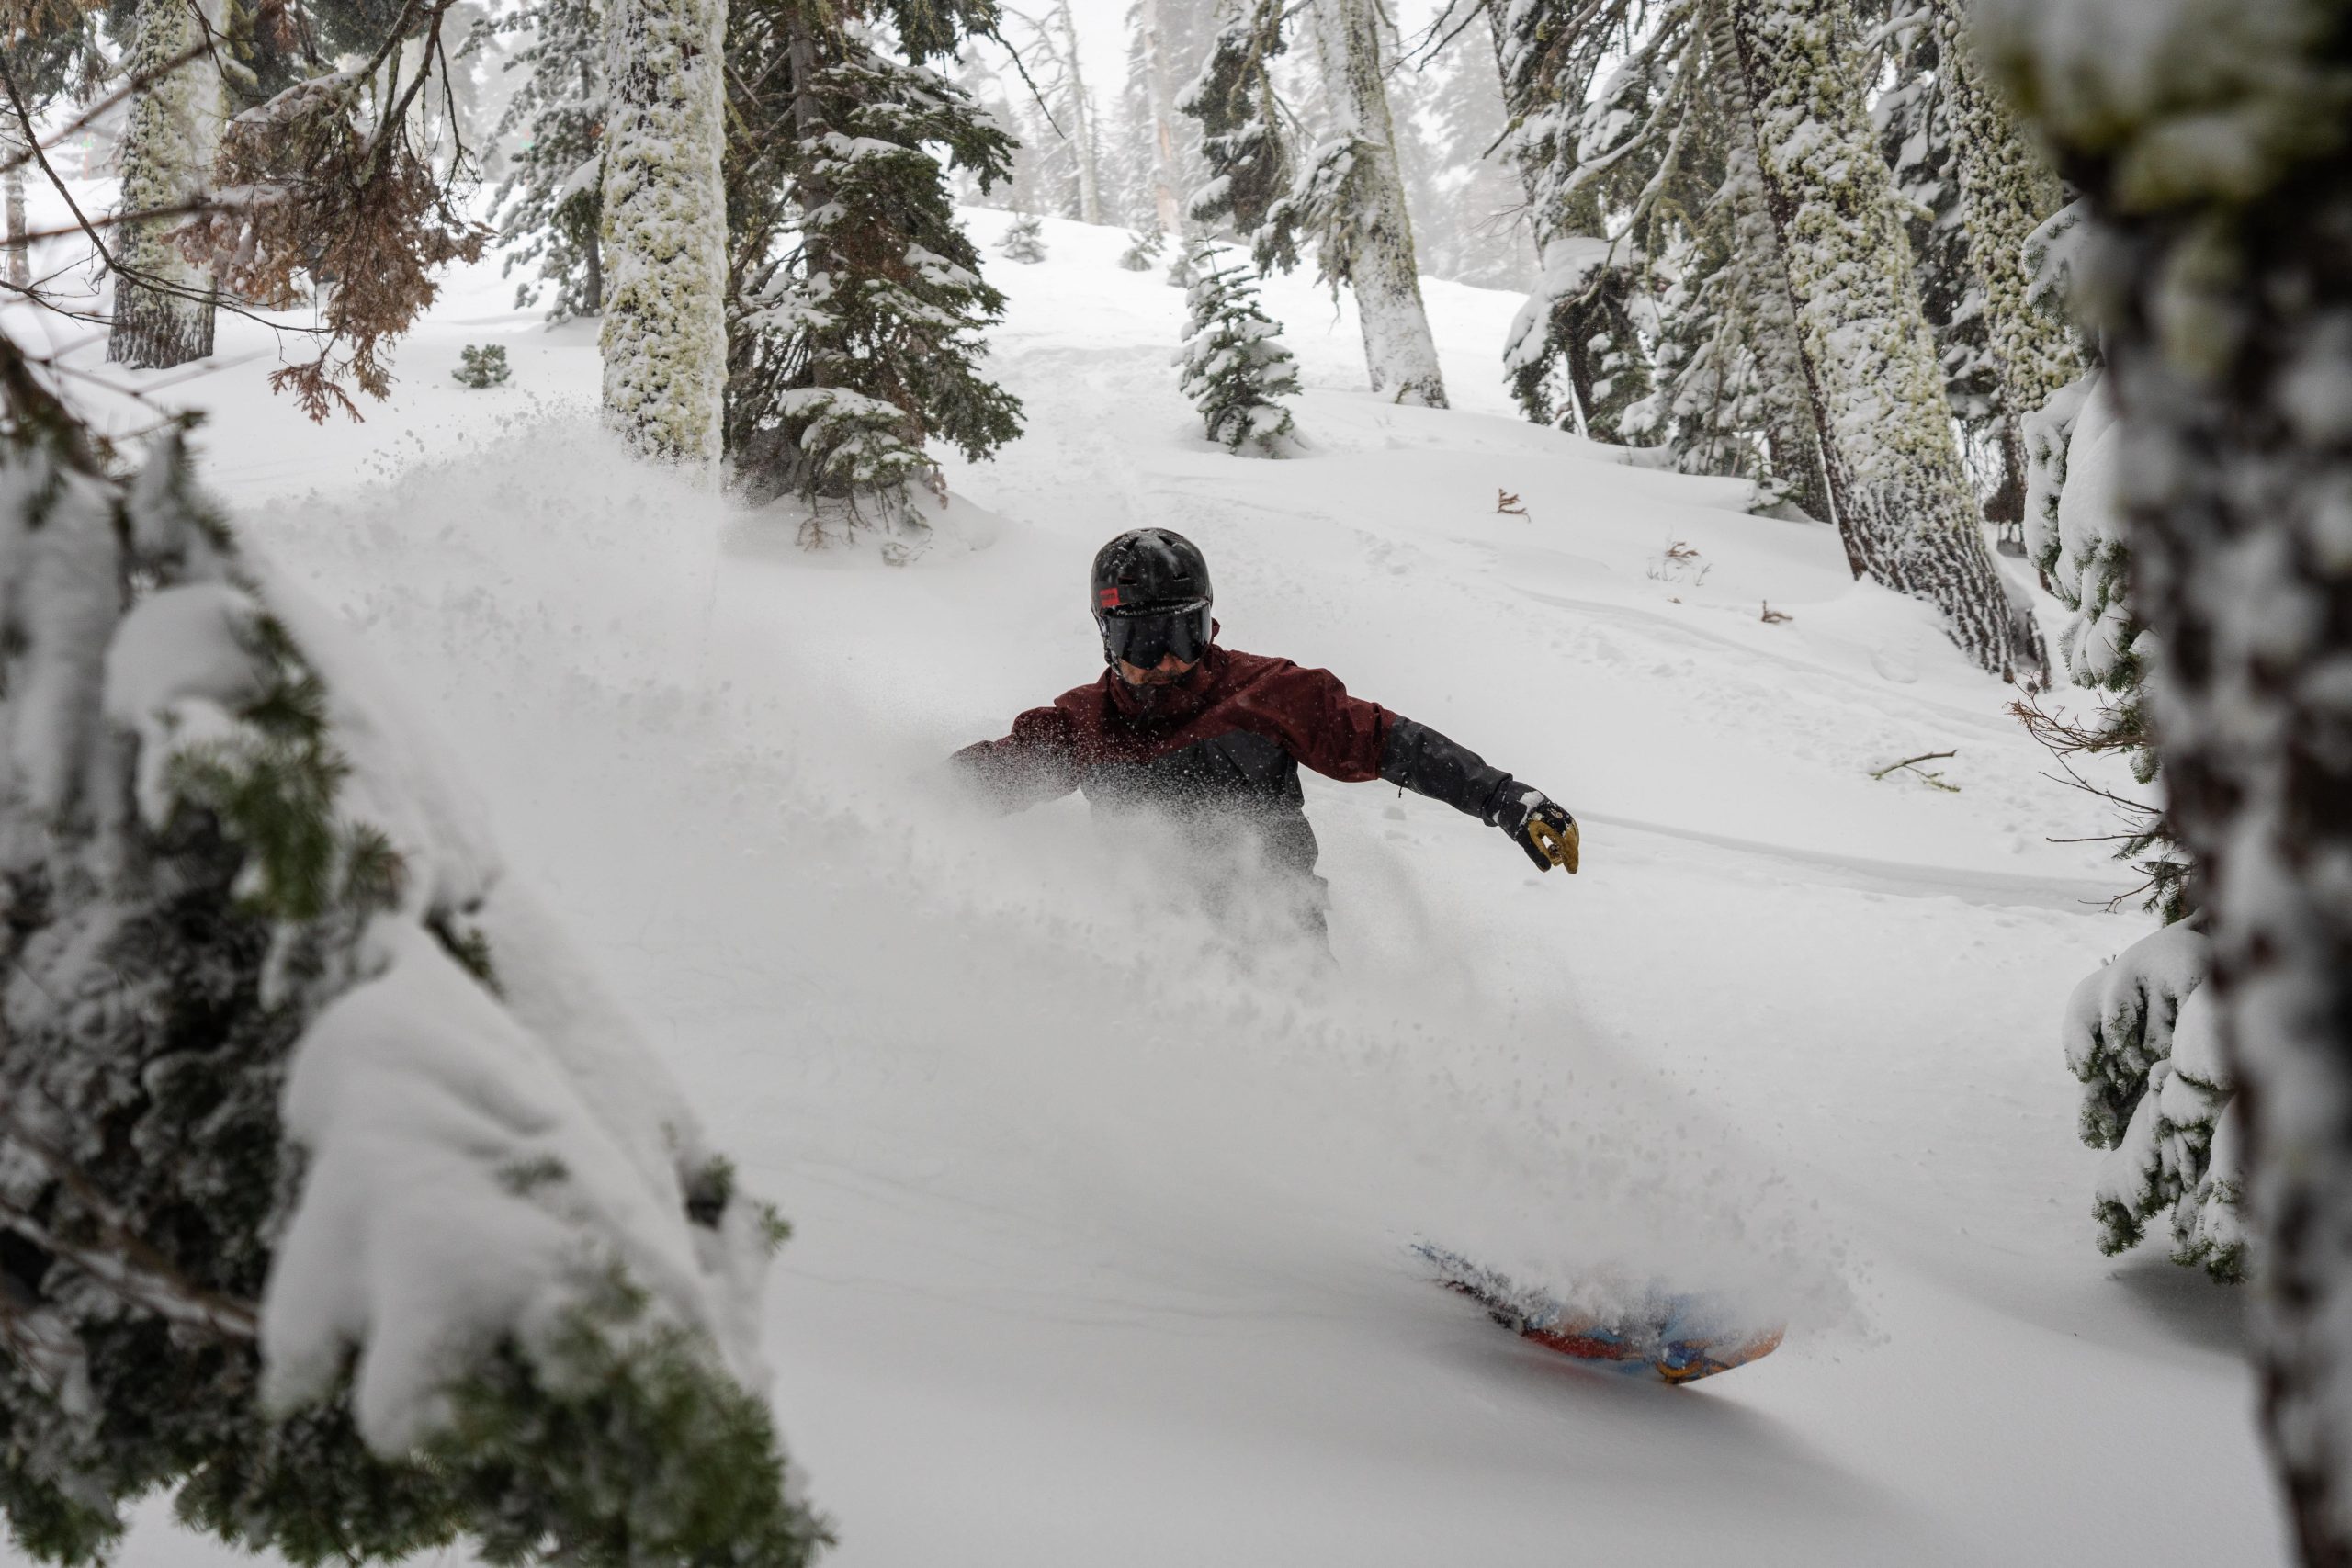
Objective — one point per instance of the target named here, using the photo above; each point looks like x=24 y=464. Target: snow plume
x=305 y=1103
x=1096 y=1024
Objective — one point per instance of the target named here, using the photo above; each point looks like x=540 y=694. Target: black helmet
x=1151 y=597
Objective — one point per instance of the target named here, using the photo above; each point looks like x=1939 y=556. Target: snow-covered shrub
x=1144 y=246
x=482 y=365
x=334 y=1194
x=1024 y=240
x=1233 y=367
x=2140 y=1035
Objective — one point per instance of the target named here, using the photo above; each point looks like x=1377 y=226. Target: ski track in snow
x=1101 y=1223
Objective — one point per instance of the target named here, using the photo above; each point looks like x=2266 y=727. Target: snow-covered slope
x=1101 y=1251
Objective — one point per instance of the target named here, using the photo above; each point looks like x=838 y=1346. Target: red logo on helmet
x=1110 y=598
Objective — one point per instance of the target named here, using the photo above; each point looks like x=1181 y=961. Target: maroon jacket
x=1228 y=737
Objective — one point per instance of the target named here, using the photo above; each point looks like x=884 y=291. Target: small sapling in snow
x=1026 y=239
x=1506 y=504
x=1233 y=364
x=1143 y=252
x=484 y=365
x=1772 y=617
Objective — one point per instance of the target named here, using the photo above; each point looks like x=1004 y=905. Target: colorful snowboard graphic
x=1672 y=1336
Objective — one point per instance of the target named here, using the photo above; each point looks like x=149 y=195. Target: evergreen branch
x=127 y=1265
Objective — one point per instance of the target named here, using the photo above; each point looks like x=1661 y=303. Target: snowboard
x=1674 y=1336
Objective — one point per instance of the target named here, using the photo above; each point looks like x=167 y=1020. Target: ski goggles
x=1143 y=638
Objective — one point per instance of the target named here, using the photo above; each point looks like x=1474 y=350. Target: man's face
x=1169 y=669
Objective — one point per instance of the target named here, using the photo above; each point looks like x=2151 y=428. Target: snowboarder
x=1212 y=738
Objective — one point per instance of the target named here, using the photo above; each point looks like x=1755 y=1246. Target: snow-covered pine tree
x=550 y=204
x=1024 y=239
x=1233 y=365
x=2007 y=191
x=1759 y=288
x=1245 y=140
x=1903 y=504
x=1143 y=248
x=664 y=240
x=1919 y=132
x=1348 y=197
x=1574 y=355
x=162 y=304
x=2157 y=1095
x=856 y=298
x=2074 y=534
x=313 y=1210
x=2215 y=157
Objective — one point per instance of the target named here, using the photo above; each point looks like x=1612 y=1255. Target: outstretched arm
x=1348 y=739
x=1428 y=763
x=1036 y=763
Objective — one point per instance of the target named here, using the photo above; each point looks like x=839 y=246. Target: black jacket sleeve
x=1428 y=763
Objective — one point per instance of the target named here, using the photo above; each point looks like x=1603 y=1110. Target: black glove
x=1539 y=825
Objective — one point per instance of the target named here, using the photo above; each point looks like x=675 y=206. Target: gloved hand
x=1539 y=825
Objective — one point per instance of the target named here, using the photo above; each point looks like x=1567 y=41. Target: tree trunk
x=1769 y=317
x=163 y=306
x=1378 y=250
x=1903 y=503
x=664 y=336
x=1082 y=126
x=20 y=260
x=1166 y=184
x=2223 y=289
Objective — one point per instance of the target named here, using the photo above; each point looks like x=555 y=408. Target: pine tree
x=1144 y=247
x=665 y=238
x=1903 y=504
x=856 y=298
x=2157 y=1095
x=2007 y=191
x=1918 y=129
x=1574 y=355
x=1347 y=197
x=163 y=305
x=550 y=205
x=2219 y=283
x=1024 y=239
x=1235 y=368
x=1244 y=139
x=304 y=1211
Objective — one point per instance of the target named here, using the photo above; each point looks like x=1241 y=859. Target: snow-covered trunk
x=1398 y=349
x=1167 y=182
x=1901 y=500
x=2222 y=284
x=163 y=306
x=21 y=262
x=664 y=240
x=1769 y=314
x=2006 y=188
x=1082 y=125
